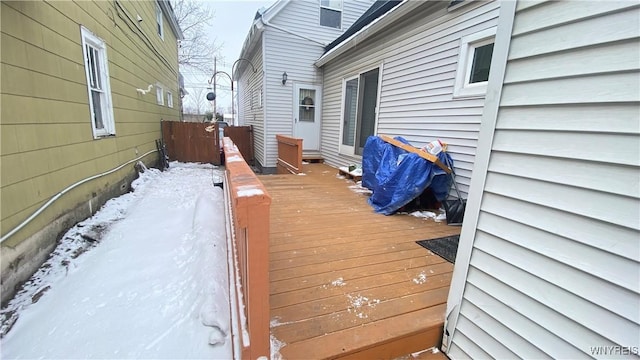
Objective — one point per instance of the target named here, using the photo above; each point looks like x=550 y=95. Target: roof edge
x=166 y=8
x=369 y=30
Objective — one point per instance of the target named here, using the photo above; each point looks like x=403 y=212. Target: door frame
x=351 y=150
x=318 y=113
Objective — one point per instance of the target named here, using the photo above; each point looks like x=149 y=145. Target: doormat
x=445 y=247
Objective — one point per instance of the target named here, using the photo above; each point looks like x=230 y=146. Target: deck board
x=345 y=281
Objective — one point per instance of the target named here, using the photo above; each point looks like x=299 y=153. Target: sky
x=229 y=27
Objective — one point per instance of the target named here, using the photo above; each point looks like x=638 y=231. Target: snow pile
x=430 y=215
x=359 y=189
x=146 y=277
x=421 y=278
x=337 y=282
x=359 y=304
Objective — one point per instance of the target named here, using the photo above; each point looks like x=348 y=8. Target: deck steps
x=385 y=339
x=312 y=157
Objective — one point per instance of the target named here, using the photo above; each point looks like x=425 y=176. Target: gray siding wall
x=420 y=57
x=250 y=111
x=296 y=56
x=554 y=267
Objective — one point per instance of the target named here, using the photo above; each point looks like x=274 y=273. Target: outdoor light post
x=212 y=95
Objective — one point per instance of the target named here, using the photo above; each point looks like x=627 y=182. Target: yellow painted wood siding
x=46 y=138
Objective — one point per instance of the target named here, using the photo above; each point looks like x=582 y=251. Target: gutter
x=371 y=29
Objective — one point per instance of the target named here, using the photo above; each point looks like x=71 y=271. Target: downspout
x=67 y=189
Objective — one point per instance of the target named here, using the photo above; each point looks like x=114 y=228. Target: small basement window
x=474 y=64
x=331 y=13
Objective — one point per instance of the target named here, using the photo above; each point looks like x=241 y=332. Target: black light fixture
x=211 y=96
x=284 y=78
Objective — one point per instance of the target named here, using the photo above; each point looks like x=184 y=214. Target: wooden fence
x=192 y=142
x=247 y=206
x=242 y=136
x=289 y=155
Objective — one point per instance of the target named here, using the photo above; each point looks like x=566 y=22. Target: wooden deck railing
x=289 y=155
x=248 y=205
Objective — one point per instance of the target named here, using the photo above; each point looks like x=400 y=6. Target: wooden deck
x=347 y=282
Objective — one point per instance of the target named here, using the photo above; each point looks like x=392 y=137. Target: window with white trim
x=359 y=111
x=331 y=13
x=159 y=21
x=169 y=99
x=160 y=94
x=96 y=68
x=474 y=64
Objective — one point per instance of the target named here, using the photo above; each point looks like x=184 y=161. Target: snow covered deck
x=345 y=281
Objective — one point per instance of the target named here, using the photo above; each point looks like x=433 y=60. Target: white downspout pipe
x=67 y=189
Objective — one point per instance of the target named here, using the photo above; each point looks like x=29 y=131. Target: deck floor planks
x=329 y=251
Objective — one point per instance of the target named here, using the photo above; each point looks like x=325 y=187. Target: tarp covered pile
x=396 y=176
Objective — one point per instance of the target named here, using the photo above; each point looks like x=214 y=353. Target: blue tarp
x=397 y=176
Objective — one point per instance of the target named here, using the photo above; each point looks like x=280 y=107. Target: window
x=96 y=69
x=474 y=63
x=331 y=13
x=360 y=100
x=169 y=99
x=159 y=94
x=307 y=105
x=159 y=21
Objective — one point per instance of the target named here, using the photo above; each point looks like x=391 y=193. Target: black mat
x=445 y=247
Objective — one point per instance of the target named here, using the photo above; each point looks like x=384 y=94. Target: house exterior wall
x=46 y=132
x=250 y=85
x=548 y=260
x=418 y=57
x=295 y=55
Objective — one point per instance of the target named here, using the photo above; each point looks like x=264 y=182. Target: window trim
x=89 y=38
x=468 y=44
x=170 y=99
x=159 y=21
x=341 y=10
x=160 y=94
x=347 y=149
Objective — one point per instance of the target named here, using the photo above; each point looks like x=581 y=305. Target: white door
x=306 y=115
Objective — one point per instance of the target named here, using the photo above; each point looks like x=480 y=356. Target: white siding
x=250 y=84
x=295 y=55
x=554 y=261
x=420 y=56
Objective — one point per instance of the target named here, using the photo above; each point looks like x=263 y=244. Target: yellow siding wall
x=46 y=136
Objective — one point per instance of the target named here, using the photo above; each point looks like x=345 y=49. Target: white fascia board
x=274 y=9
x=369 y=30
x=255 y=32
x=171 y=16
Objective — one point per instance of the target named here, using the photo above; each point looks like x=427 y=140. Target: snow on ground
x=146 y=277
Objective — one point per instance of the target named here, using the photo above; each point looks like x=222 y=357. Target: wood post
x=289 y=155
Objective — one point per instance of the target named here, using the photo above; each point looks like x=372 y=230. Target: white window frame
x=90 y=39
x=347 y=149
x=159 y=21
x=468 y=44
x=334 y=9
x=160 y=94
x=170 y=99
